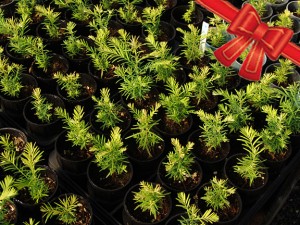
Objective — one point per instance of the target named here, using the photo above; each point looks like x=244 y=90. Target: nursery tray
x=261 y=212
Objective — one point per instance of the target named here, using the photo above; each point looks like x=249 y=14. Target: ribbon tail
x=292 y=52
x=230 y=51
x=252 y=66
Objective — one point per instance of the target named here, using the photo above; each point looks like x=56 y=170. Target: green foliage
x=7 y=192
x=290 y=105
x=25 y=8
x=191 y=43
x=261 y=93
x=64 y=209
x=259 y=5
x=42 y=108
x=194 y=216
x=108 y=112
x=217 y=193
x=78 y=131
x=31 y=222
x=234 y=109
x=151 y=20
x=26 y=170
x=70 y=83
x=110 y=154
x=145 y=138
x=204 y=82
x=250 y=167
x=150 y=198
x=283 y=70
x=164 y=63
x=217 y=35
x=161 y=2
x=101 y=16
x=73 y=45
x=180 y=161
x=188 y=15
x=21 y=45
x=177 y=103
x=12 y=26
x=100 y=61
x=221 y=73
x=213 y=129
x=285 y=19
x=276 y=134
x=10 y=78
x=40 y=53
x=128 y=12
x=12 y=144
x=50 y=20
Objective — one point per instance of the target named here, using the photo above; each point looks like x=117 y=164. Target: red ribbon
x=248 y=27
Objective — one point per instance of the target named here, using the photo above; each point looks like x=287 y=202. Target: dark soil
x=11 y=213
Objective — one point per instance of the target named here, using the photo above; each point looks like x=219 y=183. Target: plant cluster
x=217 y=34
x=129 y=13
x=179 y=161
x=69 y=83
x=42 y=108
x=151 y=20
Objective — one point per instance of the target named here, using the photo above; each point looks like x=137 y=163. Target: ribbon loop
x=260 y=31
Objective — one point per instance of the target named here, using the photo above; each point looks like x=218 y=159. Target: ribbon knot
x=251 y=31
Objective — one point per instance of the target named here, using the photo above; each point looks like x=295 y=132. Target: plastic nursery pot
x=279 y=6
x=13 y=107
x=28 y=206
x=212 y=161
x=248 y=193
x=45 y=79
x=17 y=136
x=133 y=216
x=38 y=129
x=143 y=165
x=124 y=124
x=229 y=215
x=84 y=211
x=188 y=186
x=267 y=14
x=89 y=87
x=16 y=58
x=107 y=190
x=292 y=6
x=8 y=7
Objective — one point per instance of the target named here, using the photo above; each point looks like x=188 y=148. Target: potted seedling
x=31 y=222
x=203 y=97
x=263 y=8
x=51 y=29
x=275 y=137
x=246 y=171
x=101 y=19
x=15 y=87
x=192 y=213
x=108 y=113
x=217 y=34
x=39 y=115
x=110 y=173
x=163 y=64
x=222 y=198
x=73 y=145
x=152 y=24
x=190 y=49
x=35 y=183
x=145 y=146
x=12 y=140
x=76 y=89
x=179 y=171
x=74 y=48
x=8 y=209
x=176 y=118
x=146 y=203
x=293 y=6
x=128 y=15
x=284 y=71
x=211 y=141
x=26 y=9
x=67 y=209
x=234 y=109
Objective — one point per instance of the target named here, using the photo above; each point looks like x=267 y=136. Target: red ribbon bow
x=247 y=26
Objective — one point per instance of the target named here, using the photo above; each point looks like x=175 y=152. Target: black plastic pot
x=13 y=107
x=102 y=189
x=129 y=213
x=279 y=6
x=17 y=136
x=89 y=87
x=249 y=194
x=8 y=8
x=43 y=133
x=45 y=79
x=17 y=58
x=292 y=6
